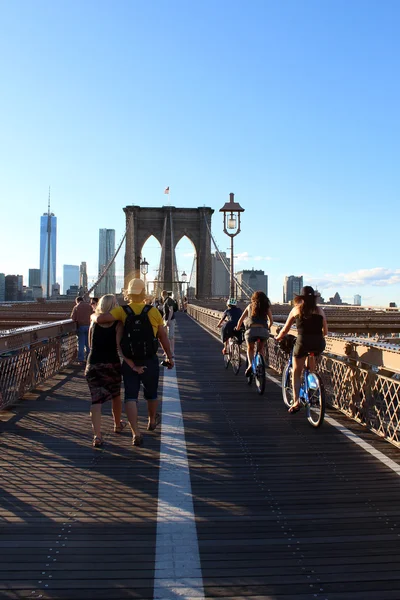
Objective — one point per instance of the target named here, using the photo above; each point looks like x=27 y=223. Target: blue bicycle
x=258 y=370
x=312 y=393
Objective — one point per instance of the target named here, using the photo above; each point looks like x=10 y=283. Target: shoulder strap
x=127 y=309
x=146 y=309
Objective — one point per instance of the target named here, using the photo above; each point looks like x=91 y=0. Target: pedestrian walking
x=103 y=370
x=81 y=314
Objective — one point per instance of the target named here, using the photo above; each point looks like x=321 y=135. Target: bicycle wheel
x=235 y=358
x=316 y=403
x=259 y=374
x=287 y=390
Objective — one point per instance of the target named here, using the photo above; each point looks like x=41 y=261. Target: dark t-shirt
x=168 y=305
x=232 y=315
x=104 y=345
x=312 y=325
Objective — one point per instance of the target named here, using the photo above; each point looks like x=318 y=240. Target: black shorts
x=228 y=330
x=148 y=379
x=308 y=343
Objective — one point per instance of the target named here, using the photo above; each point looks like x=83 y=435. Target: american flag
x=166 y=191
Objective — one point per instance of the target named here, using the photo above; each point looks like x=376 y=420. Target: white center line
x=177 y=571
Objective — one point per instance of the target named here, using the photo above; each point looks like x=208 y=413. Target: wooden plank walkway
x=282 y=511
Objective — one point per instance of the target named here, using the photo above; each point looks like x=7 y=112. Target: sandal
x=97 y=442
x=137 y=440
x=119 y=428
x=295 y=408
x=156 y=422
x=248 y=371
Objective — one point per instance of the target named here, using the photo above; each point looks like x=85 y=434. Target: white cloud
x=245 y=256
x=378 y=276
x=242 y=257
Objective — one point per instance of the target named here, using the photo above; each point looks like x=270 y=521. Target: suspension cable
x=241 y=286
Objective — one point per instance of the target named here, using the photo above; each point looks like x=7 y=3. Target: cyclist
x=232 y=316
x=311 y=330
x=257 y=319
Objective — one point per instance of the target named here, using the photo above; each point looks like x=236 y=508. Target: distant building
x=106 y=252
x=48 y=249
x=220 y=277
x=336 y=300
x=34 y=277
x=292 y=287
x=251 y=281
x=83 y=278
x=55 y=290
x=357 y=300
x=73 y=291
x=37 y=291
x=2 y=287
x=11 y=288
x=70 y=277
x=392 y=305
x=20 y=285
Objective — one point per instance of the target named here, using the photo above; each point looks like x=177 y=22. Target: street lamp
x=231 y=212
x=144 y=269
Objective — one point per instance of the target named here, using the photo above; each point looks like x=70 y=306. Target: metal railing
x=31 y=355
x=355 y=388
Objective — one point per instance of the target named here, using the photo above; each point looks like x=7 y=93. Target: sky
x=293 y=106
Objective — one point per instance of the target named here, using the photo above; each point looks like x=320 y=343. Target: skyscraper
x=292 y=287
x=83 y=279
x=34 y=277
x=251 y=279
x=2 y=287
x=48 y=248
x=106 y=252
x=70 y=277
x=219 y=275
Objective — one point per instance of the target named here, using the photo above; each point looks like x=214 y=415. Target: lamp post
x=231 y=212
x=144 y=269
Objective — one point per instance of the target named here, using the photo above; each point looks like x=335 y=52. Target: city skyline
x=263 y=103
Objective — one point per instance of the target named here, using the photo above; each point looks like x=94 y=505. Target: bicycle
x=258 y=370
x=232 y=356
x=312 y=392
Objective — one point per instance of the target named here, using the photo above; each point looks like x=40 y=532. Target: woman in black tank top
x=103 y=370
x=311 y=331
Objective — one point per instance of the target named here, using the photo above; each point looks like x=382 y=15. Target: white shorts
x=171 y=329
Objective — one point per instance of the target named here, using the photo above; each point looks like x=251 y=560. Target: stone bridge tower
x=168 y=225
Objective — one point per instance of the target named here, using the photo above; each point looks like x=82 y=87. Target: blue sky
x=293 y=106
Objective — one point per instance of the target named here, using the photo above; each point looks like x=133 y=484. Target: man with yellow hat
x=140 y=368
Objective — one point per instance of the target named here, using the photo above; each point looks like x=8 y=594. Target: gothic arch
x=168 y=225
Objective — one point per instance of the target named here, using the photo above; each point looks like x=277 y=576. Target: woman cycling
x=311 y=330
x=257 y=318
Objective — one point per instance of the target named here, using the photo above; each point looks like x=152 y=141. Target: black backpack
x=138 y=341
